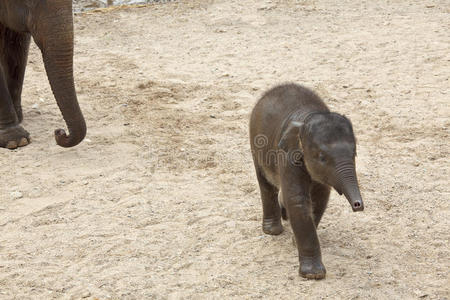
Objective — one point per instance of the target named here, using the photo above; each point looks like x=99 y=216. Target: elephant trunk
x=347 y=183
x=54 y=36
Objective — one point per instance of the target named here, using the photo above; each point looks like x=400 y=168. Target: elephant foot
x=13 y=137
x=312 y=267
x=272 y=227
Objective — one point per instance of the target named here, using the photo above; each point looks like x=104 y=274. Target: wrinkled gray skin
x=301 y=149
x=50 y=23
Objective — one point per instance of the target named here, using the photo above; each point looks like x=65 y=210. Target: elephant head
x=328 y=147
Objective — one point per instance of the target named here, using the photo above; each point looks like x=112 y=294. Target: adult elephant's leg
x=16 y=56
x=12 y=135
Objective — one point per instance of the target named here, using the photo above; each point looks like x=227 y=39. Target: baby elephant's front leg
x=299 y=210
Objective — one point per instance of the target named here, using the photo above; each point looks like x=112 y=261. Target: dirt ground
x=83 y=5
x=161 y=200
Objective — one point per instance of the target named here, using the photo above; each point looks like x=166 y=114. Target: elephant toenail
x=23 y=142
x=11 y=145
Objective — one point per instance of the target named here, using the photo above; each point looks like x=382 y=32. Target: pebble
x=16 y=195
x=86 y=294
x=35 y=193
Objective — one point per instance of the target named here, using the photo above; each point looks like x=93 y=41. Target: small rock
x=16 y=195
x=35 y=193
x=87 y=140
x=268 y=5
x=86 y=294
x=35 y=106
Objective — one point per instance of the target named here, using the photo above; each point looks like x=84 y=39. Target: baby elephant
x=300 y=149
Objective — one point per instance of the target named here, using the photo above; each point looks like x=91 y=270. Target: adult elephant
x=50 y=23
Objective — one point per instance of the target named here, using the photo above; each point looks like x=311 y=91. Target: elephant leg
x=16 y=56
x=271 y=208
x=302 y=223
x=12 y=135
x=319 y=197
x=296 y=185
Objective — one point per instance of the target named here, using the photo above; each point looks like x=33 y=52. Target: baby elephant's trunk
x=347 y=183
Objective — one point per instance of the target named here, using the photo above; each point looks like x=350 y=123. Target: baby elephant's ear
x=290 y=137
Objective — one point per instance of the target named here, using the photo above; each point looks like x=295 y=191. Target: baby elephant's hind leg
x=271 y=209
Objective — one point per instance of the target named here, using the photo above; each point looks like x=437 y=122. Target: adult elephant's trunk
x=347 y=183
x=53 y=33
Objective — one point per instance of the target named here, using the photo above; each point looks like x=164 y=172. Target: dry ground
x=83 y=5
x=161 y=201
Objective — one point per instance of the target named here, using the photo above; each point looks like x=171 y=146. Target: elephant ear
x=290 y=138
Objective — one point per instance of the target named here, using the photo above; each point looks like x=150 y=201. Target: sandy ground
x=161 y=201
x=84 y=5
